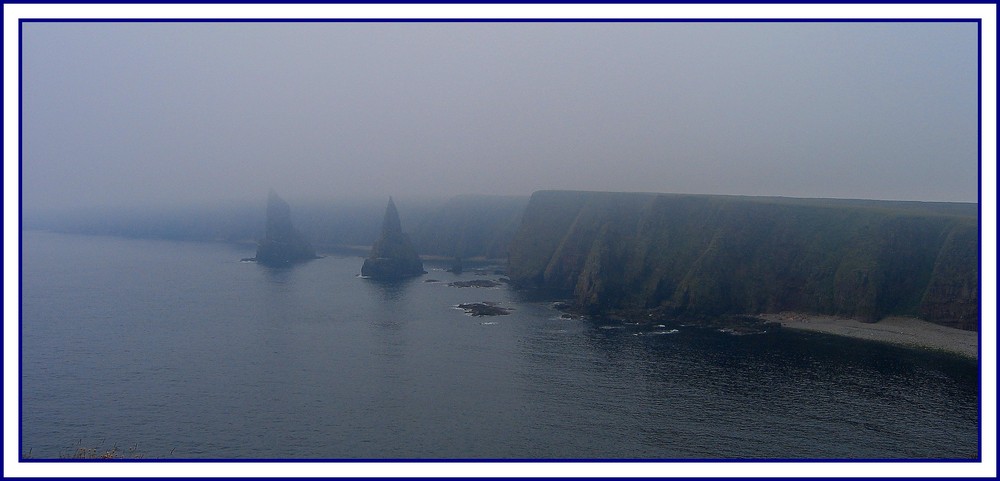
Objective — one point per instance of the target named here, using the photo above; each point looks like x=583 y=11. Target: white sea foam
x=660 y=333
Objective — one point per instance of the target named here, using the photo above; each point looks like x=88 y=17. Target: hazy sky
x=149 y=113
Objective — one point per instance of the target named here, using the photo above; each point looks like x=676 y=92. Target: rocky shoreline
x=477 y=283
x=734 y=324
x=903 y=331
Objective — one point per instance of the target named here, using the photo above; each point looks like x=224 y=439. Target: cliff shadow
x=539 y=294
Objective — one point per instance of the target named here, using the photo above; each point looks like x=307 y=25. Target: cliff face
x=952 y=292
x=392 y=256
x=282 y=244
x=704 y=256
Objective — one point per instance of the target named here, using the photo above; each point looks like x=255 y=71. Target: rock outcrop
x=703 y=257
x=282 y=244
x=485 y=308
x=393 y=255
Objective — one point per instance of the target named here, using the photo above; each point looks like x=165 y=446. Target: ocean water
x=182 y=351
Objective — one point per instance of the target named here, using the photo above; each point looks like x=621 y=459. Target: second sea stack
x=393 y=255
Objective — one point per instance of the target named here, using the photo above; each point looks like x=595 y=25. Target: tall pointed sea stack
x=282 y=244
x=393 y=256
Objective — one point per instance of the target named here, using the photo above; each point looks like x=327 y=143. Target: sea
x=180 y=350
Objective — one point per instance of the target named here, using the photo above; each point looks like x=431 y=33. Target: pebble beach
x=906 y=331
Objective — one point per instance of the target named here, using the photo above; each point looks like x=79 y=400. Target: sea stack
x=282 y=244
x=393 y=256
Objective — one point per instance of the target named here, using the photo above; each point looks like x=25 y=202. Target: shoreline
x=905 y=331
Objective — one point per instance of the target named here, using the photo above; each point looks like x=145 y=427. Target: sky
x=148 y=114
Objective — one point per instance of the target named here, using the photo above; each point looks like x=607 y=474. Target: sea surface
x=180 y=350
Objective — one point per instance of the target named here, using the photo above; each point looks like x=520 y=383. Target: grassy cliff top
x=957 y=209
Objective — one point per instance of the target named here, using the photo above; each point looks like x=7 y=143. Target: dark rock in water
x=739 y=325
x=392 y=256
x=456 y=266
x=484 y=309
x=282 y=244
x=474 y=283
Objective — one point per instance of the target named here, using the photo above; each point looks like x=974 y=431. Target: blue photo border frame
x=979 y=458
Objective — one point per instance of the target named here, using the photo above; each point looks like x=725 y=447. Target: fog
x=150 y=114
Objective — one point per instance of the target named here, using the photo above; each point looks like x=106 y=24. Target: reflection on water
x=389 y=290
x=277 y=275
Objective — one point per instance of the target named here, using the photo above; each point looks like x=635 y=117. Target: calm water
x=181 y=349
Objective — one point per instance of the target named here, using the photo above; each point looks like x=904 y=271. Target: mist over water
x=189 y=353
x=160 y=114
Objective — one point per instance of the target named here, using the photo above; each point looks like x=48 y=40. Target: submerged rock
x=282 y=244
x=392 y=256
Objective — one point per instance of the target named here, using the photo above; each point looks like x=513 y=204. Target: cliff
x=392 y=256
x=282 y=244
x=694 y=256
